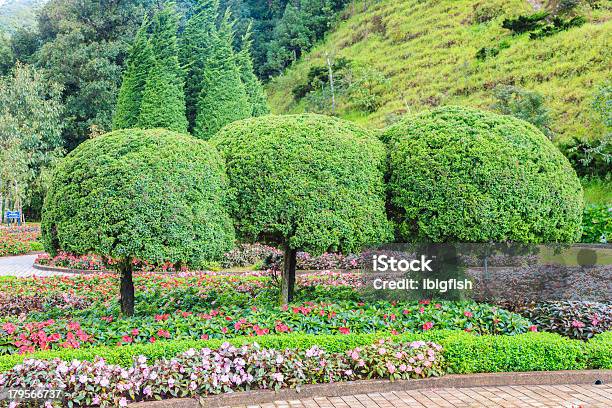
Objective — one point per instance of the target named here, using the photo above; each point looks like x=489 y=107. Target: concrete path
x=21 y=266
x=490 y=397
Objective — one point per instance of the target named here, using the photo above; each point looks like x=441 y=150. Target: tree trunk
x=127 y=289
x=288 y=278
x=331 y=83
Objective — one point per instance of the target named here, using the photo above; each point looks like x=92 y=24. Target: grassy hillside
x=427 y=51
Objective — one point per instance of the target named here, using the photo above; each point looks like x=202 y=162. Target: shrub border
x=464 y=353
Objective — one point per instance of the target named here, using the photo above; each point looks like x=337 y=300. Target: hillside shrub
x=589 y=157
x=526 y=23
x=523 y=104
x=305 y=182
x=458 y=173
x=153 y=195
x=597 y=223
x=574 y=319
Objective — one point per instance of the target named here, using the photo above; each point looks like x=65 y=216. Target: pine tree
x=196 y=51
x=163 y=100
x=137 y=69
x=223 y=98
x=255 y=92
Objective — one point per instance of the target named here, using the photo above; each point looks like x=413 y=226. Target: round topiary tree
x=306 y=182
x=152 y=195
x=462 y=174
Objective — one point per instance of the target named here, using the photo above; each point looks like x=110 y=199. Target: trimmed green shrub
x=463 y=174
x=307 y=182
x=153 y=195
x=463 y=352
x=600 y=351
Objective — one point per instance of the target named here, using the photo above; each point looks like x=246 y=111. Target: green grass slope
x=427 y=50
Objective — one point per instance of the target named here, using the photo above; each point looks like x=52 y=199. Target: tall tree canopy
x=30 y=134
x=163 y=99
x=223 y=97
x=134 y=80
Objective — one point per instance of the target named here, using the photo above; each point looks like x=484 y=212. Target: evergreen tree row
x=196 y=83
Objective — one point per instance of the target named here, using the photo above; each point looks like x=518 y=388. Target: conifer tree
x=223 y=98
x=255 y=92
x=196 y=51
x=163 y=100
x=137 y=69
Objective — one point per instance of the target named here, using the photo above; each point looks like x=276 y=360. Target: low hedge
x=600 y=351
x=464 y=352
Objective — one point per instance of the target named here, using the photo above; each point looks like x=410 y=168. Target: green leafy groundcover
x=463 y=352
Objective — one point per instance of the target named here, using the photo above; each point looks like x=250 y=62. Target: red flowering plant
x=16 y=240
x=230 y=321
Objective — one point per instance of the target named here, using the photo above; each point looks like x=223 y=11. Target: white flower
x=104 y=382
x=123 y=402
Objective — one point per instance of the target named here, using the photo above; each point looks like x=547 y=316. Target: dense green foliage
x=308 y=181
x=163 y=98
x=463 y=352
x=135 y=76
x=254 y=89
x=82 y=46
x=469 y=175
x=30 y=136
x=597 y=223
x=154 y=195
x=222 y=95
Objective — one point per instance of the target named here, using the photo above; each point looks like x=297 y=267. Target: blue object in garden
x=13 y=215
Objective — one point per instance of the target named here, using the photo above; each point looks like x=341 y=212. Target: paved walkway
x=489 y=397
x=21 y=266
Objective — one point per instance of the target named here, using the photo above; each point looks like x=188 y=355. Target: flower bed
x=18 y=240
x=228 y=368
x=198 y=306
x=226 y=322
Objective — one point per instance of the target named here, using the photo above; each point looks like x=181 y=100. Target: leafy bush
x=597 y=223
x=574 y=319
x=305 y=182
x=463 y=174
x=558 y=24
x=248 y=254
x=153 y=195
x=195 y=372
x=523 y=104
x=589 y=157
x=523 y=24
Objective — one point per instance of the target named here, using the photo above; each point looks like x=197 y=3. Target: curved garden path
x=21 y=266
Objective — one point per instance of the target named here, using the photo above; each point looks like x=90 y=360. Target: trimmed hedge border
x=464 y=353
